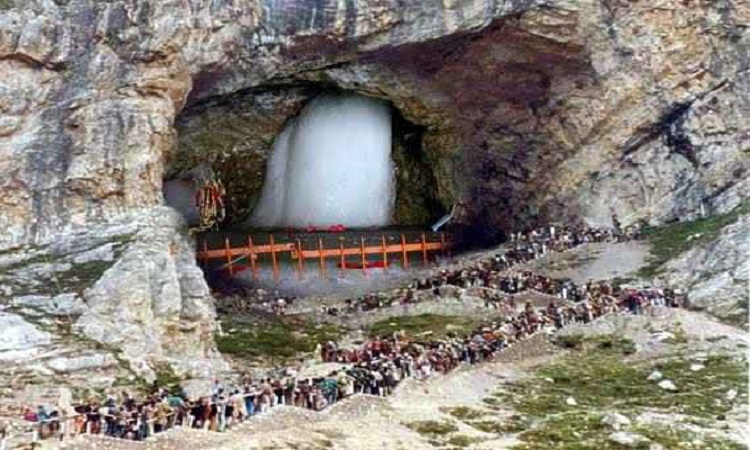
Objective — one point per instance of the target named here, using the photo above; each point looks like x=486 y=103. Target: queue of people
x=375 y=367
x=491 y=273
x=378 y=366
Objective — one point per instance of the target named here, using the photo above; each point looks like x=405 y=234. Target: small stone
x=656 y=447
x=700 y=357
x=627 y=438
x=731 y=394
x=655 y=376
x=616 y=420
x=571 y=401
x=663 y=336
x=697 y=367
x=667 y=385
x=549 y=380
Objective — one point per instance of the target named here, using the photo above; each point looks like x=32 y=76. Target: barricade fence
x=343 y=254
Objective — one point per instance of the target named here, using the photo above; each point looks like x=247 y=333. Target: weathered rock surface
x=530 y=109
x=717 y=273
x=130 y=289
x=20 y=338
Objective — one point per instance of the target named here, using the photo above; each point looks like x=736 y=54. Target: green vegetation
x=608 y=382
x=432 y=428
x=672 y=438
x=464 y=413
x=669 y=241
x=462 y=440
x=277 y=338
x=437 y=326
x=600 y=379
x=603 y=342
x=513 y=424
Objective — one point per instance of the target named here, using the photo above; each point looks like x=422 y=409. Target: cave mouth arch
x=233 y=136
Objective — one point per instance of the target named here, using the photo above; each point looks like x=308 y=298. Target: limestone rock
x=20 y=338
x=627 y=438
x=60 y=305
x=655 y=376
x=667 y=385
x=153 y=303
x=616 y=421
x=717 y=273
x=81 y=362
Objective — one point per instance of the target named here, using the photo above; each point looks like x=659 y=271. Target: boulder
x=655 y=376
x=628 y=439
x=616 y=421
x=667 y=385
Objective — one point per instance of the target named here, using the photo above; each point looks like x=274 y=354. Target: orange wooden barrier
x=253 y=257
x=385 y=252
x=404 y=251
x=273 y=258
x=252 y=252
x=228 y=256
x=321 y=258
x=364 y=255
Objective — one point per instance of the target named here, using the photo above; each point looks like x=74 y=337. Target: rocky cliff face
x=530 y=110
x=717 y=273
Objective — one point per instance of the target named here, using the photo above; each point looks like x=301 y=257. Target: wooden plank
x=369 y=250
x=260 y=249
x=343 y=259
x=364 y=255
x=300 y=259
x=321 y=258
x=424 y=250
x=273 y=258
x=442 y=244
x=227 y=251
x=385 y=252
x=205 y=249
x=253 y=257
x=404 y=254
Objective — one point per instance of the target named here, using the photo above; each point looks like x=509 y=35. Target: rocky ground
x=675 y=380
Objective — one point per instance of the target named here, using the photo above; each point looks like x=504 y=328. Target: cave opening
x=331 y=165
x=295 y=161
x=305 y=155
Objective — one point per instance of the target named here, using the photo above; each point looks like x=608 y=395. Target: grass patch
x=464 y=413
x=513 y=424
x=432 y=428
x=608 y=382
x=600 y=379
x=437 y=326
x=580 y=430
x=611 y=342
x=671 y=240
x=676 y=438
x=278 y=338
x=462 y=440
x=680 y=336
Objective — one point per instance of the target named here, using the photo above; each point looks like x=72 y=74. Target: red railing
x=251 y=252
